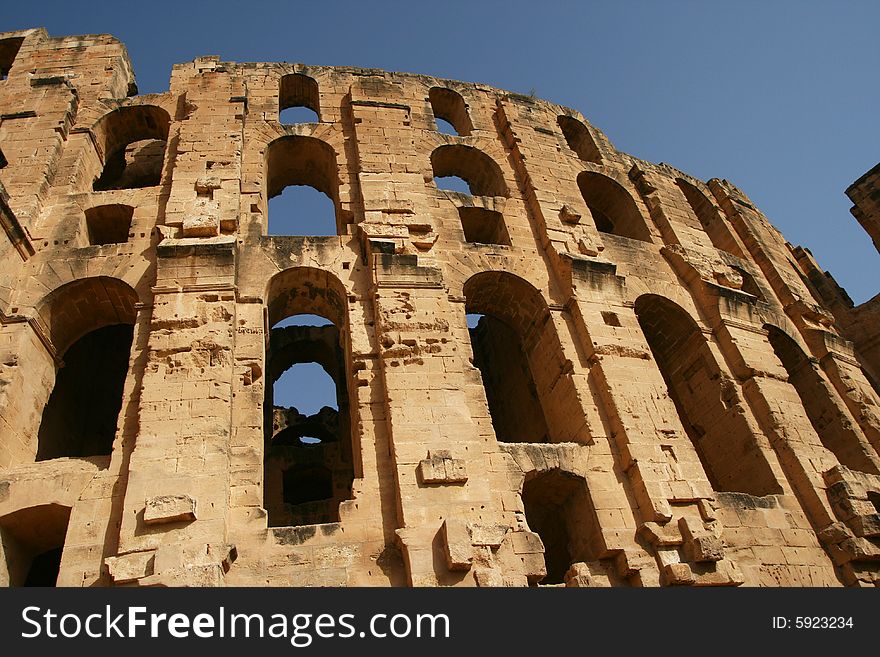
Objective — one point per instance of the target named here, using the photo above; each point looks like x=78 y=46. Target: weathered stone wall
x=693 y=409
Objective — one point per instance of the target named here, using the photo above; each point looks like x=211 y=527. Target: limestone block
x=456 y=538
x=700 y=544
x=441 y=468
x=486 y=577
x=169 y=508
x=201 y=225
x=130 y=567
x=578 y=576
x=488 y=535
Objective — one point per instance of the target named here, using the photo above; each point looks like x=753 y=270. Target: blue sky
x=781 y=97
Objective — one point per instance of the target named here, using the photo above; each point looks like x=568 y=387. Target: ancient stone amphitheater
x=590 y=370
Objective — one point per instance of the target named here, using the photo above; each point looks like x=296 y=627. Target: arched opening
x=827 y=418
x=481 y=173
x=90 y=323
x=302 y=187
x=613 y=208
x=132 y=142
x=558 y=508
x=31 y=544
x=483 y=226
x=530 y=393
x=298 y=99
x=80 y=417
x=109 y=224
x=8 y=51
x=579 y=139
x=709 y=218
x=309 y=464
x=707 y=402
x=450 y=108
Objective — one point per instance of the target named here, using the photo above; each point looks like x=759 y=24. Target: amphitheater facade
x=590 y=370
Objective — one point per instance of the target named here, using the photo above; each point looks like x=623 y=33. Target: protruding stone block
x=169 y=508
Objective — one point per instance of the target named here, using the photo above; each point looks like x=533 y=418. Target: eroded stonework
x=654 y=387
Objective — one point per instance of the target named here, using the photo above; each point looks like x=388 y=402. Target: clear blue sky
x=779 y=97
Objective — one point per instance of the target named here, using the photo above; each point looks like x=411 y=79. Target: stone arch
x=90 y=325
x=306 y=483
x=450 y=106
x=828 y=417
x=558 y=508
x=131 y=143
x=300 y=160
x=708 y=402
x=579 y=139
x=531 y=394
x=478 y=170
x=31 y=543
x=299 y=90
x=613 y=208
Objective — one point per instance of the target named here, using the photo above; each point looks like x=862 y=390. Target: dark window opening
x=308 y=464
x=708 y=404
x=8 y=51
x=307 y=484
x=613 y=208
x=483 y=226
x=302 y=187
x=579 y=139
x=558 y=508
x=481 y=173
x=45 y=568
x=516 y=411
x=450 y=109
x=109 y=224
x=827 y=416
x=31 y=545
x=530 y=392
x=298 y=99
x=81 y=414
x=132 y=142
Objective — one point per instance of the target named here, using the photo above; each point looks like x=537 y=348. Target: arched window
x=302 y=186
x=450 y=108
x=827 y=418
x=31 y=544
x=708 y=403
x=132 y=143
x=710 y=219
x=8 y=50
x=558 y=508
x=613 y=208
x=481 y=173
x=531 y=397
x=579 y=139
x=90 y=322
x=109 y=224
x=309 y=462
x=298 y=99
